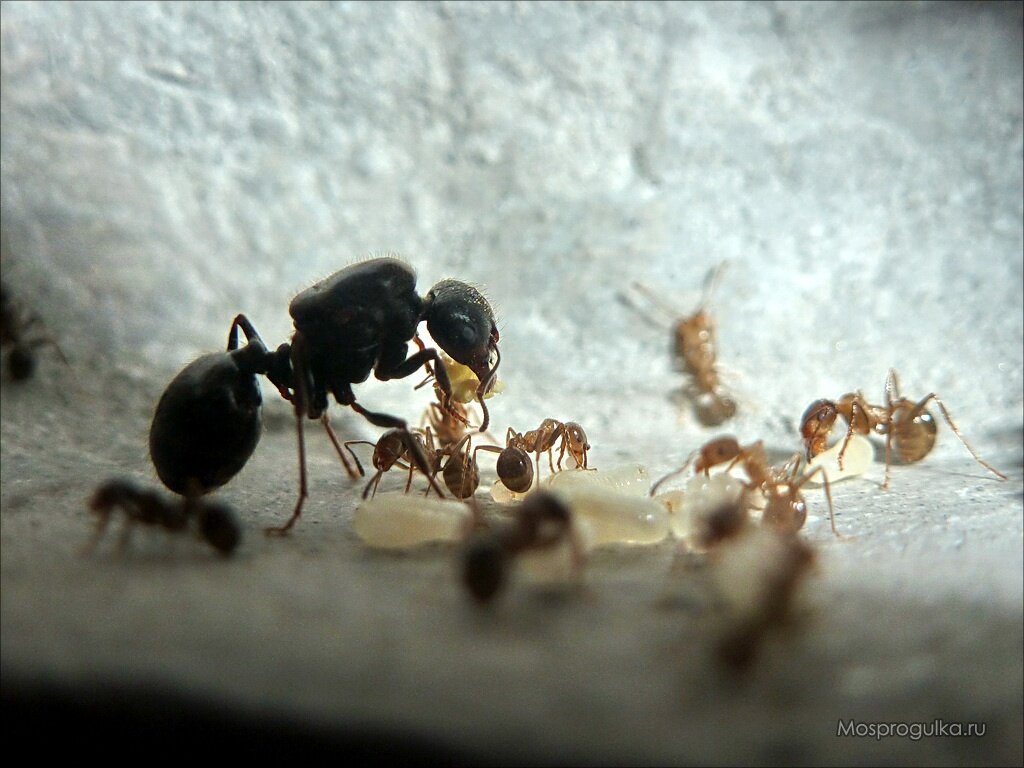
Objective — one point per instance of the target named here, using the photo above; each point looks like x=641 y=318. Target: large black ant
x=20 y=331
x=694 y=352
x=217 y=523
x=908 y=427
x=357 y=321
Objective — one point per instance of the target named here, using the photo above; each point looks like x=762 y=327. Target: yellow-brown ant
x=695 y=353
x=908 y=427
x=785 y=508
x=514 y=466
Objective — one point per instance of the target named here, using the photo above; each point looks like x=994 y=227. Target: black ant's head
x=460 y=320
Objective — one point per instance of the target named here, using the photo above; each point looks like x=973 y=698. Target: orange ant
x=785 y=508
x=694 y=352
x=514 y=467
x=908 y=427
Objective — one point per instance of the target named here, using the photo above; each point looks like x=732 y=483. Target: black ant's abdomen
x=206 y=426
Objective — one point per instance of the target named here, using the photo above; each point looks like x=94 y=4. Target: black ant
x=355 y=322
x=785 y=508
x=694 y=352
x=908 y=427
x=542 y=521
x=217 y=523
x=20 y=330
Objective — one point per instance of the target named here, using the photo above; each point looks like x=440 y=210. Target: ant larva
x=217 y=523
x=542 y=522
x=908 y=427
x=694 y=353
x=21 y=330
x=784 y=505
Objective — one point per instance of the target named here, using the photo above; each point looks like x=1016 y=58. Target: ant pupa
x=908 y=427
x=694 y=352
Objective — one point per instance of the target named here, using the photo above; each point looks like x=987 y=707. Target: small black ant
x=542 y=521
x=16 y=331
x=217 y=523
x=908 y=427
x=355 y=322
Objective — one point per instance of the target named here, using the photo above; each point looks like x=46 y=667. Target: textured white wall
x=167 y=165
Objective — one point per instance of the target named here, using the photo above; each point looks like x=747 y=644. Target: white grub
x=627 y=479
x=616 y=518
x=503 y=495
x=400 y=521
x=557 y=564
x=702 y=496
x=858 y=457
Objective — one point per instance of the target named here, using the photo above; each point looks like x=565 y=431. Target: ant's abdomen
x=914 y=438
x=206 y=425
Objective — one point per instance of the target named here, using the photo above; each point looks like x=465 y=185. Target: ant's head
x=484 y=566
x=816 y=425
x=460 y=320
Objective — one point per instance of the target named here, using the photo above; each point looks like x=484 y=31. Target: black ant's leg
x=300 y=400
x=412 y=445
x=326 y=421
x=412 y=364
x=251 y=334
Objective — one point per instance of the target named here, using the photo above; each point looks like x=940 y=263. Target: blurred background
x=859 y=166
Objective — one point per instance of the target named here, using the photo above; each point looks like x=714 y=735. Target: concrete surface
x=166 y=166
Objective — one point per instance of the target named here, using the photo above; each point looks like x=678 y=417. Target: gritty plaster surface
x=166 y=166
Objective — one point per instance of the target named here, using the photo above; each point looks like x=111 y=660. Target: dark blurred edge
x=111 y=721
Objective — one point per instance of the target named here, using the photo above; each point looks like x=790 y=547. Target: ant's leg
x=349 y=443
x=919 y=408
x=300 y=399
x=326 y=421
x=412 y=364
x=892 y=387
x=374 y=482
x=673 y=473
x=251 y=334
x=828 y=496
x=413 y=446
